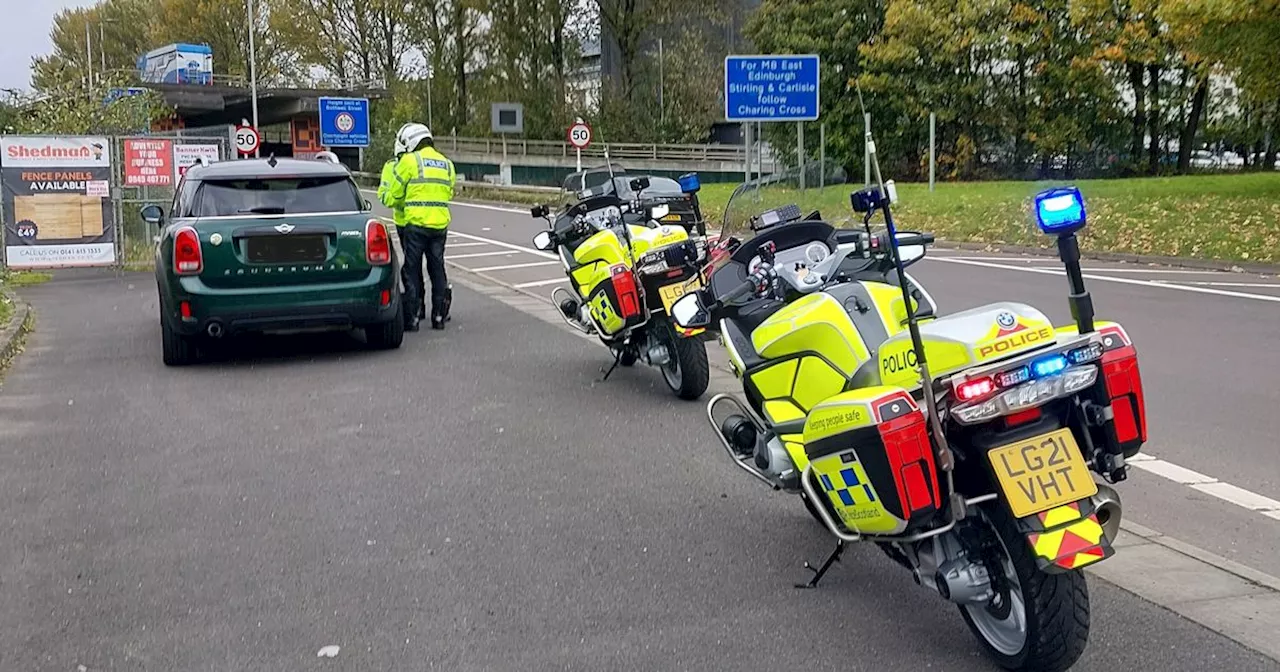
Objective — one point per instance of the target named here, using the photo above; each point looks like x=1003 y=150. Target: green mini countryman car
x=272 y=245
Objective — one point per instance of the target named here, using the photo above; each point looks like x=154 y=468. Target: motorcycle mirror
x=689 y=313
x=659 y=211
x=909 y=253
x=639 y=184
x=539 y=211
x=542 y=240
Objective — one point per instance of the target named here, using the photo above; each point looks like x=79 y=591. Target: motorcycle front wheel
x=687 y=372
x=1037 y=621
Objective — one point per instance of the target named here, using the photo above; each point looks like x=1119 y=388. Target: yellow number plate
x=672 y=293
x=1043 y=472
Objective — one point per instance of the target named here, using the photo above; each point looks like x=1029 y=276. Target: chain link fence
x=136 y=238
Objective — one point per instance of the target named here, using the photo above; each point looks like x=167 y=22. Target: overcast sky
x=25 y=33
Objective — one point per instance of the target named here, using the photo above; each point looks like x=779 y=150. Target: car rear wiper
x=263 y=210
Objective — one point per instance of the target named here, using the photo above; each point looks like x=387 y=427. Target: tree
x=223 y=25
x=117 y=35
x=833 y=29
x=355 y=41
x=72 y=111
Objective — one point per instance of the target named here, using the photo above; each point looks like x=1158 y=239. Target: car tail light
x=187 y=257
x=377 y=243
x=1124 y=386
x=624 y=286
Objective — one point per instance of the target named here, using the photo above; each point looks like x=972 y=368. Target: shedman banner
x=55 y=202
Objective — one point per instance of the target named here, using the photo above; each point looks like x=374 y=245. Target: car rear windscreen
x=276 y=196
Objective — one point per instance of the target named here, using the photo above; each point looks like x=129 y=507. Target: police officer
x=422 y=186
x=384 y=186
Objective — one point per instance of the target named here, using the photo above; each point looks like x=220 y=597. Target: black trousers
x=422 y=244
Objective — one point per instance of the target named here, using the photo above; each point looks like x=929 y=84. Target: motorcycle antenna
x=945 y=459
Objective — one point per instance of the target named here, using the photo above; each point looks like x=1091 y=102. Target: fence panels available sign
x=185 y=156
x=148 y=163
x=52 y=204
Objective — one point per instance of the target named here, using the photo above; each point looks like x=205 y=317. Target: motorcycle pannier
x=871 y=455
x=1124 y=386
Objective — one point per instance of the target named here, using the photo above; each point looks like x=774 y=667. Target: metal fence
x=514 y=147
x=135 y=237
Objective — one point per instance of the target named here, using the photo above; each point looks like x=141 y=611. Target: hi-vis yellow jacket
x=384 y=187
x=423 y=186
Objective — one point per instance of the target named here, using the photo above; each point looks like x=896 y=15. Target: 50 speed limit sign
x=580 y=135
x=247 y=140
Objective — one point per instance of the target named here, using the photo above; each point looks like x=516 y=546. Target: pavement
x=477 y=501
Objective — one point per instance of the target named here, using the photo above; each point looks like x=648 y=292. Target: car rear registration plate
x=286 y=249
x=1042 y=472
x=672 y=293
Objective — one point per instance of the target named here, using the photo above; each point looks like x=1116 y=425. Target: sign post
x=247 y=140
x=774 y=88
x=344 y=122
x=580 y=138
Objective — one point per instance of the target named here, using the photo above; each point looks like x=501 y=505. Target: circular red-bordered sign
x=580 y=136
x=247 y=139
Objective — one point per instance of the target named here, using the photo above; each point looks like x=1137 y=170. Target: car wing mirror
x=152 y=214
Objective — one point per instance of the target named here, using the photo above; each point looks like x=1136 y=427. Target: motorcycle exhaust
x=657 y=355
x=214 y=329
x=571 y=311
x=1107 y=503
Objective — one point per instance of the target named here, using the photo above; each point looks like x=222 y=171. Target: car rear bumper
x=214 y=311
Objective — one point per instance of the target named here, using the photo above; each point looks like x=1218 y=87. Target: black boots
x=440 y=309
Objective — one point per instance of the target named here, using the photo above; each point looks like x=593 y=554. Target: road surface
x=476 y=501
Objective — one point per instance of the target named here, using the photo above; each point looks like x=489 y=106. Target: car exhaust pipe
x=1107 y=504
x=214 y=329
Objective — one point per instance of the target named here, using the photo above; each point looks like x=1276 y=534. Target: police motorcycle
x=964 y=446
x=625 y=275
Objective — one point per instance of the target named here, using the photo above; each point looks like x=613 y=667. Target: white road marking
x=453 y=245
x=1104 y=278
x=1209 y=485
x=493 y=253
x=1219 y=284
x=508 y=267
x=540 y=283
x=490 y=207
x=1174 y=472
x=509 y=246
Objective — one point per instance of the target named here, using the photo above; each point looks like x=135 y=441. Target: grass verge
x=1217 y=217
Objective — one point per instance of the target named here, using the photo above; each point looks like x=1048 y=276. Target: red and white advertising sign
x=148 y=163
x=185 y=156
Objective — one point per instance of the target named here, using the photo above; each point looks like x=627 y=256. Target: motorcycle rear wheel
x=1042 y=622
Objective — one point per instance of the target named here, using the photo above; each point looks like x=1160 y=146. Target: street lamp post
x=253 y=75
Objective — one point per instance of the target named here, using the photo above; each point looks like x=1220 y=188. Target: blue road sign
x=771 y=88
x=344 y=122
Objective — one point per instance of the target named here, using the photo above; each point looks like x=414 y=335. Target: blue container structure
x=178 y=63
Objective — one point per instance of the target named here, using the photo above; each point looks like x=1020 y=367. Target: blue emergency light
x=689 y=183
x=1060 y=211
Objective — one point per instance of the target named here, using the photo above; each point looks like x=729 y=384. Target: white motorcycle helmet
x=411 y=134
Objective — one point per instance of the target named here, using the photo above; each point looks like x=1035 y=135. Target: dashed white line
x=1124 y=281
x=1219 y=284
x=468 y=244
x=507 y=267
x=491 y=253
x=1209 y=485
x=540 y=283
x=509 y=246
x=1174 y=472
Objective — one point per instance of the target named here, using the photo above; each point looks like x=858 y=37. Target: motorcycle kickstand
x=820 y=571
x=617 y=357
